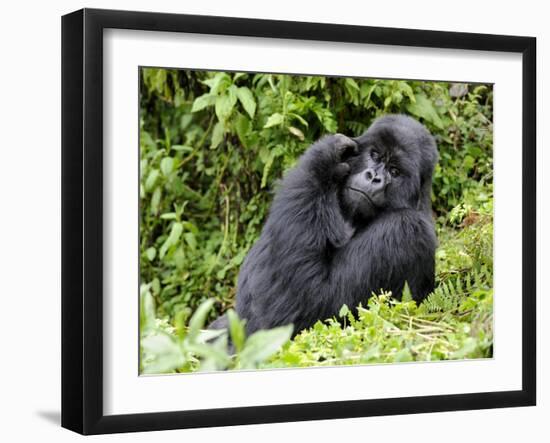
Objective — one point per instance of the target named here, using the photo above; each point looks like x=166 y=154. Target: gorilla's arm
x=306 y=209
x=396 y=247
x=290 y=263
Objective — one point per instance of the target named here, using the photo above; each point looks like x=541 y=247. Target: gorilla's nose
x=375 y=181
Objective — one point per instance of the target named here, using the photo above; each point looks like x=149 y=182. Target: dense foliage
x=213 y=145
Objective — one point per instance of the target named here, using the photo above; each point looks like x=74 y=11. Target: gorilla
x=352 y=218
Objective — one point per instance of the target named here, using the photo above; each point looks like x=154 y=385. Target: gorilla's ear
x=425 y=194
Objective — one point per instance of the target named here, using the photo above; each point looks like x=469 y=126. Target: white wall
x=30 y=218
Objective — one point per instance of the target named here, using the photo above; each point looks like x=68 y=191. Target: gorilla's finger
x=349 y=151
x=341 y=171
x=345 y=146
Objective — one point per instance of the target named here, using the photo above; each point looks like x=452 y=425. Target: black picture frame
x=82 y=219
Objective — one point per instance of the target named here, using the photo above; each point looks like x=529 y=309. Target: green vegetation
x=212 y=147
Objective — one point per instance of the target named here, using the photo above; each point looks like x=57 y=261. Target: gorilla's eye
x=394 y=171
x=375 y=155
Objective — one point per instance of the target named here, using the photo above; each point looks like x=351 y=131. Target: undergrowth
x=212 y=146
x=454 y=322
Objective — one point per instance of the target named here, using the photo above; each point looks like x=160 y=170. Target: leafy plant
x=166 y=349
x=214 y=144
x=392 y=331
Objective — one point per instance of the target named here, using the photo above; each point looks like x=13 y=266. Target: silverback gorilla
x=353 y=217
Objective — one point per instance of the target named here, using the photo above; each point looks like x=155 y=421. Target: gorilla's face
x=396 y=157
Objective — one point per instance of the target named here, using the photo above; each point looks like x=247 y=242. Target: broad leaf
x=198 y=319
x=167 y=165
x=263 y=344
x=247 y=100
x=146 y=309
x=224 y=105
x=274 y=120
x=202 y=102
x=172 y=239
x=162 y=353
x=236 y=329
x=423 y=108
x=217 y=135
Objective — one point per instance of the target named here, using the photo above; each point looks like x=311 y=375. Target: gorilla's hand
x=343 y=149
x=327 y=159
x=342 y=146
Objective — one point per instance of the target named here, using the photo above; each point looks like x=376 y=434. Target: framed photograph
x=268 y=221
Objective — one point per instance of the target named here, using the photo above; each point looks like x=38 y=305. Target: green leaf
x=468 y=162
x=202 y=102
x=146 y=141
x=172 y=239
x=217 y=135
x=162 y=354
x=403 y=355
x=218 y=83
x=238 y=75
x=214 y=355
x=352 y=84
x=151 y=253
x=406 y=88
x=191 y=227
x=296 y=132
x=224 y=106
x=243 y=126
x=167 y=165
x=236 y=329
x=182 y=148
x=190 y=239
x=267 y=168
x=206 y=335
x=151 y=179
x=146 y=309
x=180 y=322
x=263 y=344
x=468 y=348
x=155 y=200
x=424 y=108
x=299 y=118
x=198 y=319
x=326 y=118
x=344 y=310
x=407 y=295
x=247 y=100
x=274 y=120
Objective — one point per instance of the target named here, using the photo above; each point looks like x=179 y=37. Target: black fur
x=352 y=218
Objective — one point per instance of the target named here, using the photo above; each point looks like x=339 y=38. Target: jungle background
x=212 y=147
